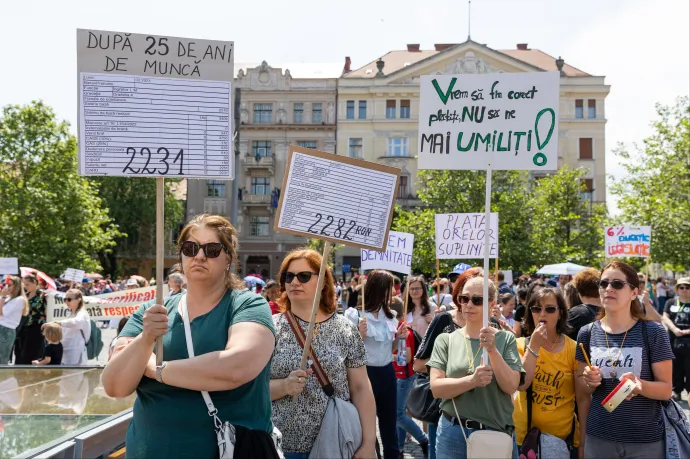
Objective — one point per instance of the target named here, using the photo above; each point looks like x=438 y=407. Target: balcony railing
x=256 y=199
x=264 y=161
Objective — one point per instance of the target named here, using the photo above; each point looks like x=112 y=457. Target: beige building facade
x=378 y=107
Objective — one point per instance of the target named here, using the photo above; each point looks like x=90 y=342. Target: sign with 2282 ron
x=154 y=106
x=465 y=119
x=337 y=199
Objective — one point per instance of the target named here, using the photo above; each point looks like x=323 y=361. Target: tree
x=656 y=188
x=50 y=217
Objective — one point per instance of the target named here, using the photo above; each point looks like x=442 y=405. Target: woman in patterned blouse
x=30 y=340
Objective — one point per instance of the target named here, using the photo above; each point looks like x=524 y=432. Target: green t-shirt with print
x=489 y=404
x=174 y=422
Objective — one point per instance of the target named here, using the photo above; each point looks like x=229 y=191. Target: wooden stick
x=407 y=296
x=438 y=283
x=647 y=271
x=160 y=251
x=361 y=290
x=315 y=306
x=487 y=251
x=589 y=364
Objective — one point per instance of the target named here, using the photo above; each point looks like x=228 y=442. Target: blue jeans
x=432 y=440
x=450 y=442
x=406 y=424
x=289 y=455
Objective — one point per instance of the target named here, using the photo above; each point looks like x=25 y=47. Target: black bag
x=421 y=402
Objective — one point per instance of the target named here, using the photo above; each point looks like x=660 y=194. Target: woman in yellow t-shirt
x=548 y=358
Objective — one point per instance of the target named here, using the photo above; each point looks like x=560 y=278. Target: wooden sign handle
x=407 y=296
x=160 y=250
x=438 y=283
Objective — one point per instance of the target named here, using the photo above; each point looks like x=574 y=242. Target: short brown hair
x=586 y=282
x=53 y=331
x=226 y=234
x=314 y=259
x=630 y=273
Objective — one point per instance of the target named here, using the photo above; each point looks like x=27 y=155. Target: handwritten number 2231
x=145 y=170
x=338 y=230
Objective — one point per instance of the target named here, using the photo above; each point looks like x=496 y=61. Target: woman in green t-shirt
x=475 y=395
x=233 y=339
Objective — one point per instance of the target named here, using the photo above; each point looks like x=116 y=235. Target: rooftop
x=301 y=70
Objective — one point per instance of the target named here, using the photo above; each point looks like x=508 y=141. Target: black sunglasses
x=70 y=299
x=476 y=300
x=616 y=284
x=211 y=250
x=683 y=287
x=303 y=277
x=548 y=309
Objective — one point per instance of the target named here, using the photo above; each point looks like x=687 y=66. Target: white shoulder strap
x=182 y=308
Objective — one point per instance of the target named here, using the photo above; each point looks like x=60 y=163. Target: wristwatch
x=159 y=372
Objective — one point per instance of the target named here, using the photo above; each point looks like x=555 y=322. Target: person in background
x=586 y=282
x=645 y=298
x=441 y=296
x=507 y=304
x=503 y=286
x=397 y=285
x=13 y=306
x=131 y=284
x=520 y=329
x=76 y=330
x=572 y=298
x=271 y=293
x=53 y=351
x=661 y=294
x=120 y=325
x=31 y=340
x=175 y=282
x=420 y=312
x=520 y=309
x=563 y=280
x=352 y=293
x=677 y=320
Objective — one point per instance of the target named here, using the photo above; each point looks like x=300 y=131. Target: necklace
x=549 y=347
x=620 y=350
x=468 y=347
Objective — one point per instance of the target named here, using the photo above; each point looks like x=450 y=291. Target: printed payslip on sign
x=397 y=257
x=461 y=236
x=628 y=241
x=513 y=116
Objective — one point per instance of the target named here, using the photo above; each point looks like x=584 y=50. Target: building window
x=402 y=187
x=390 y=109
x=215 y=188
x=355 y=150
x=591 y=108
x=261 y=185
x=586 y=148
x=307 y=144
x=362 y=109
x=588 y=193
x=397 y=146
x=404 y=109
x=258 y=226
x=316 y=113
x=579 y=113
x=350 y=109
x=261 y=148
x=262 y=113
x=298 y=113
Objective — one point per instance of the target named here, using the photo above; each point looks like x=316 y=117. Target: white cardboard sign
x=9 y=265
x=460 y=236
x=628 y=241
x=512 y=115
x=154 y=106
x=72 y=274
x=397 y=257
x=336 y=198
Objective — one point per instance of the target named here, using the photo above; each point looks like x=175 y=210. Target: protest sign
x=152 y=106
x=512 y=115
x=397 y=257
x=75 y=275
x=317 y=200
x=462 y=236
x=9 y=265
x=628 y=241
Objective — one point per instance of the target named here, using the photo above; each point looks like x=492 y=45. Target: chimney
x=414 y=48
x=522 y=46
x=443 y=46
x=346 y=68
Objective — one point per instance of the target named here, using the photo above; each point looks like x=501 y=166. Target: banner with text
x=462 y=236
x=514 y=115
x=628 y=241
x=397 y=257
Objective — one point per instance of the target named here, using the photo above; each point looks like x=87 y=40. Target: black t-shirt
x=352 y=296
x=518 y=315
x=54 y=351
x=579 y=316
x=679 y=313
x=442 y=323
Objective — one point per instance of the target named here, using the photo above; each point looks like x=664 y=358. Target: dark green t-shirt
x=173 y=422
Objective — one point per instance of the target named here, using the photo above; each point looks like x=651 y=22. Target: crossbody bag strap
x=530 y=395
x=455 y=408
x=318 y=369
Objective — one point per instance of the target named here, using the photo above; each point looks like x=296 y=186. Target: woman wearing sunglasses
x=13 y=305
x=338 y=348
x=232 y=338
x=548 y=357
x=620 y=348
x=76 y=330
x=476 y=395
x=677 y=320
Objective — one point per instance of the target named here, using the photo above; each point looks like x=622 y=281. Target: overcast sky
x=641 y=47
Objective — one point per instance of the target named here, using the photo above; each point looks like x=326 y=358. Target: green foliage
x=656 y=190
x=50 y=217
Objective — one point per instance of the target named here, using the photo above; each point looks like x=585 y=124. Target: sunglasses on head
x=70 y=299
x=476 y=300
x=303 y=277
x=616 y=284
x=548 y=309
x=211 y=250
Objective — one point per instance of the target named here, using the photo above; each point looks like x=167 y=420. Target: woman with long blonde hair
x=13 y=306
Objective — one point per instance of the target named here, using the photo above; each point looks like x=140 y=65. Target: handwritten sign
x=513 y=115
x=153 y=106
x=336 y=198
x=462 y=235
x=397 y=257
x=9 y=266
x=628 y=241
x=75 y=275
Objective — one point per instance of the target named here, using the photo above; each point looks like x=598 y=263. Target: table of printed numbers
x=144 y=126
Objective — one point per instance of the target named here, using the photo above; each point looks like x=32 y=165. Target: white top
x=12 y=312
x=446 y=298
x=661 y=290
x=379 y=339
x=73 y=342
x=353 y=315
